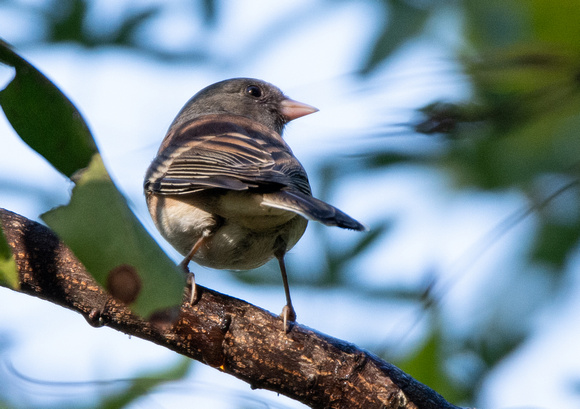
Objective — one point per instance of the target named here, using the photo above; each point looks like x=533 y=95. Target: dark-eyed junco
x=225 y=189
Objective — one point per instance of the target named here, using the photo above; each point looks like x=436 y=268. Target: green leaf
x=8 y=270
x=496 y=156
x=44 y=117
x=495 y=23
x=427 y=365
x=67 y=25
x=108 y=239
x=556 y=22
x=554 y=242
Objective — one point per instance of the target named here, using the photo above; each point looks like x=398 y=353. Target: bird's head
x=252 y=98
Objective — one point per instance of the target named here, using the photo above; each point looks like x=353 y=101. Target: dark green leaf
x=554 y=242
x=44 y=117
x=105 y=235
x=68 y=21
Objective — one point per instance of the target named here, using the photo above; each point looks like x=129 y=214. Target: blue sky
x=129 y=101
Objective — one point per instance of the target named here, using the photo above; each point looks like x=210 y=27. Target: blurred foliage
x=68 y=23
x=517 y=130
x=427 y=364
x=145 y=383
x=114 y=393
x=78 y=22
x=405 y=21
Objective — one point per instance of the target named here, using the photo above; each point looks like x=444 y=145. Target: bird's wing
x=224 y=152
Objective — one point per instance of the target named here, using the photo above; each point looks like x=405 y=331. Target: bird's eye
x=254 y=91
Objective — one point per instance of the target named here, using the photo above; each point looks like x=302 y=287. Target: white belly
x=241 y=241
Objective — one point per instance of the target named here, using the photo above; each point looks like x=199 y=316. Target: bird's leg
x=288 y=313
x=185 y=262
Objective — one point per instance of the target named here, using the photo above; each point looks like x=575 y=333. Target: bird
x=225 y=189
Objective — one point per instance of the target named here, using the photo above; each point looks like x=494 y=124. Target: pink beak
x=293 y=109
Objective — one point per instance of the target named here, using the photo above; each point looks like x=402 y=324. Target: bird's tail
x=312 y=209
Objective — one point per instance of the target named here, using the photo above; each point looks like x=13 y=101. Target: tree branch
x=224 y=332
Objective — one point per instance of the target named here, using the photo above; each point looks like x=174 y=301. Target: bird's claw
x=289 y=316
x=193 y=288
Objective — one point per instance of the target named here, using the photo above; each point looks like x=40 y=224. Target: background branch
x=224 y=332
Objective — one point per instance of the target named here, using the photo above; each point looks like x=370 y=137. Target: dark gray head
x=249 y=97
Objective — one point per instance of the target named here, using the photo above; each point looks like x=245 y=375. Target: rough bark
x=224 y=332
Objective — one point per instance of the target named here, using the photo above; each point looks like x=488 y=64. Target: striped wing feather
x=234 y=153
x=224 y=156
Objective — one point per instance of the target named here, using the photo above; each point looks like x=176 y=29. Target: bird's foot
x=289 y=316
x=193 y=299
x=190 y=282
